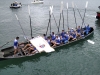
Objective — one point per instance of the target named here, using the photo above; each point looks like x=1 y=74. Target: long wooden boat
x=8 y=53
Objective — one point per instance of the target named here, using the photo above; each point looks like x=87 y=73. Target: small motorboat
x=16 y=5
x=37 y=2
x=98 y=13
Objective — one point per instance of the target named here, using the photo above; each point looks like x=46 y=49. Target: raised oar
x=67 y=16
x=79 y=12
x=74 y=14
x=50 y=18
x=30 y=20
x=48 y=22
x=21 y=27
x=60 y=16
x=54 y=16
x=84 y=12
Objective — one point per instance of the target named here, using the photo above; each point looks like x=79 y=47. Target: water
x=81 y=58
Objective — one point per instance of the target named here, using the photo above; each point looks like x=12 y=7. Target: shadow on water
x=97 y=22
x=19 y=61
x=37 y=57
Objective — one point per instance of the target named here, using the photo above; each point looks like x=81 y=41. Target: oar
x=84 y=12
x=74 y=14
x=50 y=18
x=62 y=14
x=48 y=22
x=67 y=16
x=60 y=17
x=21 y=27
x=54 y=16
x=90 y=41
x=5 y=44
x=79 y=12
x=30 y=20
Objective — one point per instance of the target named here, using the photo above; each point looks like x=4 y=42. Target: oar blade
x=67 y=5
x=86 y=4
x=91 y=42
x=61 y=7
x=16 y=17
x=29 y=9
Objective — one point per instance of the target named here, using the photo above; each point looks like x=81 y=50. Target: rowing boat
x=8 y=53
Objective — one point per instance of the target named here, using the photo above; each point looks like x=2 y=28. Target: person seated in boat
x=78 y=30
x=70 y=34
x=66 y=38
x=53 y=36
x=49 y=40
x=44 y=36
x=31 y=50
x=27 y=46
x=74 y=35
x=82 y=33
x=87 y=29
x=15 y=3
x=72 y=30
x=62 y=39
x=57 y=41
x=16 y=45
x=63 y=33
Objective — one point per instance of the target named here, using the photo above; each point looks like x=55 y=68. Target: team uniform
x=15 y=44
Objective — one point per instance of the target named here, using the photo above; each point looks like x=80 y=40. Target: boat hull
x=8 y=52
x=37 y=2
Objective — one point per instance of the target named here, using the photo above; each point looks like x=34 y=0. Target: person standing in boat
x=16 y=45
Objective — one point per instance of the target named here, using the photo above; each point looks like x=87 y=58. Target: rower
x=44 y=36
x=16 y=44
x=66 y=39
x=87 y=29
x=78 y=31
x=63 y=33
x=53 y=36
x=74 y=36
x=57 y=41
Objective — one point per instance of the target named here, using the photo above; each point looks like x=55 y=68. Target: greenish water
x=80 y=58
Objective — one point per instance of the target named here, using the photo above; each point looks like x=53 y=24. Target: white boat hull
x=37 y=2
